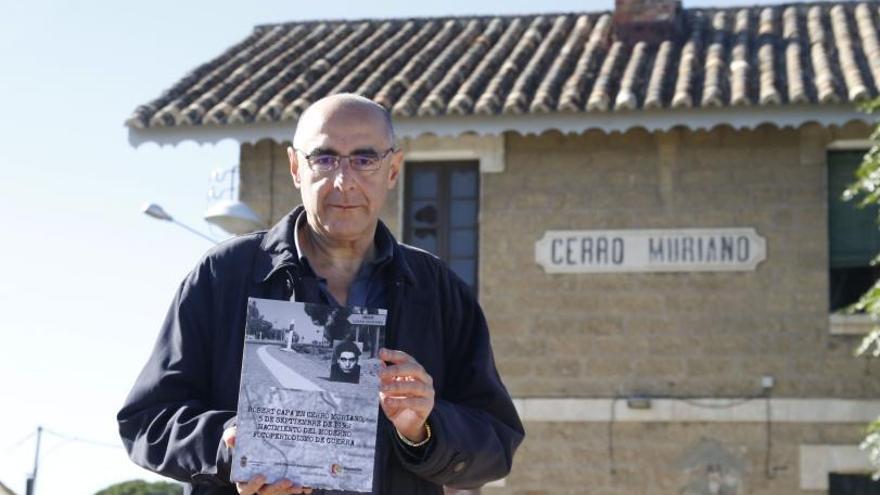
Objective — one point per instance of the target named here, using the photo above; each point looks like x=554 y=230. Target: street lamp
x=156 y=211
x=234 y=217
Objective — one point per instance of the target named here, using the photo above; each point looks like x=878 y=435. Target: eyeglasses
x=360 y=162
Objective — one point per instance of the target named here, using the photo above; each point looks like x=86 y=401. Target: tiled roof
x=811 y=53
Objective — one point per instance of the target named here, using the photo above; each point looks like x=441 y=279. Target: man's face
x=344 y=204
x=347 y=360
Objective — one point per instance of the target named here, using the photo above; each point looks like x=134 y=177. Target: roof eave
x=745 y=117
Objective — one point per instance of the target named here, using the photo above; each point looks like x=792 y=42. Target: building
x=645 y=200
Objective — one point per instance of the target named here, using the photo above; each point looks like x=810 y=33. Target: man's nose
x=345 y=176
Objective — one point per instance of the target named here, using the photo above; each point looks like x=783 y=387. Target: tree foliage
x=334 y=320
x=256 y=322
x=867 y=189
x=141 y=487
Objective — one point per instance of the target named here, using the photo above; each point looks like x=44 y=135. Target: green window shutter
x=853 y=232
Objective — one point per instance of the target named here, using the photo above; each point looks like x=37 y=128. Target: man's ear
x=294 y=166
x=396 y=164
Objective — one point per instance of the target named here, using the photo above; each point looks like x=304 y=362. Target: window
x=441 y=203
x=854 y=236
x=852 y=484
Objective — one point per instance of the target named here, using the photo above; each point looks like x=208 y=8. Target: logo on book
x=335 y=470
x=243 y=461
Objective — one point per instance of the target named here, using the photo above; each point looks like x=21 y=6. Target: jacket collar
x=278 y=250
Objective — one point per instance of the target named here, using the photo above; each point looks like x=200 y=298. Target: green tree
x=867 y=189
x=141 y=487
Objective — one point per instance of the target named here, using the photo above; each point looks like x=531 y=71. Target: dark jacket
x=187 y=393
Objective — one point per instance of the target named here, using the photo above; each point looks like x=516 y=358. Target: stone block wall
x=701 y=333
x=665 y=458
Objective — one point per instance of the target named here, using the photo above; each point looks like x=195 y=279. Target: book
x=308 y=401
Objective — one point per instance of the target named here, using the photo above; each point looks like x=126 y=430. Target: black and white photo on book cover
x=309 y=396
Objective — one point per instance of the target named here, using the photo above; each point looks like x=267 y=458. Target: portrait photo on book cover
x=314 y=346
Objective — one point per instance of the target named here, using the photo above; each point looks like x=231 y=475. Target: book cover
x=308 y=402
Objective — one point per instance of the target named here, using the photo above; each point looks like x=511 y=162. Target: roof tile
x=335 y=73
x=409 y=102
x=793 y=57
x=655 y=97
x=825 y=83
x=683 y=96
x=519 y=99
x=547 y=93
x=626 y=96
x=490 y=102
x=739 y=65
x=805 y=53
x=868 y=37
x=768 y=92
x=716 y=67
x=443 y=92
x=465 y=98
x=580 y=80
x=856 y=89
x=417 y=64
x=600 y=97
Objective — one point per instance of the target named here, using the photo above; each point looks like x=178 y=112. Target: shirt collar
x=278 y=249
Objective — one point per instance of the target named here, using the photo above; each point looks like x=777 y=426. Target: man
x=345 y=367
x=447 y=418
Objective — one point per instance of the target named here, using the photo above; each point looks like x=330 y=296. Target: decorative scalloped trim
x=741 y=118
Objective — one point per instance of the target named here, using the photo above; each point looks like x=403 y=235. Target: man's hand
x=257 y=485
x=406 y=393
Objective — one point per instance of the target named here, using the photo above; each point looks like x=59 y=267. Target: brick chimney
x=651 y=21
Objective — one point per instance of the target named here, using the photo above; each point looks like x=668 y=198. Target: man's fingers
x=406 y=389
x=392 y=356
x=403 y=371
x=282 y=487
x=404 y=367
x=258 y=486
x=229 y=436
x=252 y=486
x=285 y=487
x=420 y=405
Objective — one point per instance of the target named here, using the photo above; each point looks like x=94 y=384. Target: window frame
x=840 y=323
x=445 y=168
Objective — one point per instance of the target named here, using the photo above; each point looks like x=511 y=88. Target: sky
x=85 y=278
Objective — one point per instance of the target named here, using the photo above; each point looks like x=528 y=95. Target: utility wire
x=71 y=438
x=17 y=444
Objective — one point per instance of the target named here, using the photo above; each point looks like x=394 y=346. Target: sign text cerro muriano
x=666 y=250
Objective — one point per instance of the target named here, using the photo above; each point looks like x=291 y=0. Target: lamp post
x=155 y=211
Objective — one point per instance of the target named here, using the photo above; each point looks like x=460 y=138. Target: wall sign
x=663 y=250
